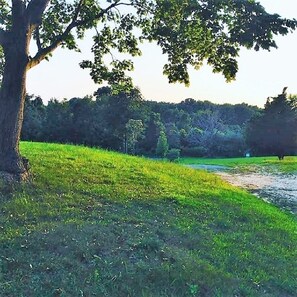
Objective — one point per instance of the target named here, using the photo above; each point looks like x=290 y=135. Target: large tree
x=189 y=32
x=274 y=132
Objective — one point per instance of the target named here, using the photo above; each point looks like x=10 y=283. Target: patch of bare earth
x=279 y=189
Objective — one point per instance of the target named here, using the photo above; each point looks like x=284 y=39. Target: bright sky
x=261 y=74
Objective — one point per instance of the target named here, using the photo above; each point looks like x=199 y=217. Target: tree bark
x=12 y=98
x=15 y=43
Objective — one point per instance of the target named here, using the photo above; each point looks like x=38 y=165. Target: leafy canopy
x=274 y=132
x=189 y=32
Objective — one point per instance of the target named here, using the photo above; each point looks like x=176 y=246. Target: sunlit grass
x=288 y=165
x=98 y=223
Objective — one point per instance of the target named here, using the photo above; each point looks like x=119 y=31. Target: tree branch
x=77 y=10
x=42 y=53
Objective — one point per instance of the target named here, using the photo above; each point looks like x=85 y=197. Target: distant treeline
x=127 y=123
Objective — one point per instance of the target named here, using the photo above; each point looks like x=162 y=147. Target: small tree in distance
x=162 y=145
x=134 y=130
x=275 y=131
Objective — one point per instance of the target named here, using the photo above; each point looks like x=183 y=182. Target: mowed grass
x=98 y=223
x=288 y=165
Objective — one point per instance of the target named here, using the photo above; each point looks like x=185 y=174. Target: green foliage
x=99 y=223
x=195 y=151
x=173 y=154
x=5 y=14
x=191 y=32
x=134 y=130
x=188 y=32
x=115 y=112
x=123 y=40
x=154 y=126
x=55 y=20
x=162 y=145
x=274 y=131
x=197 y=128
x=173 y=135
x=35 y=115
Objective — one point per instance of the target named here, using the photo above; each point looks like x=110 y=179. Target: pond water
x=279 y=189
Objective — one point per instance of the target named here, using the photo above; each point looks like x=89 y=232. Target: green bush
x=173 y=154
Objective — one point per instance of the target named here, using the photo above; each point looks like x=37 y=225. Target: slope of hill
x=98 y=223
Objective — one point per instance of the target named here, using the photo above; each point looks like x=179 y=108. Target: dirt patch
x=248 y=181
x=277 y=188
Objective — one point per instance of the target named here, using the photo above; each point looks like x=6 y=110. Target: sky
x=261 y=74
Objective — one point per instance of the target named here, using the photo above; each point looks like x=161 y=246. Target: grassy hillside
x=288 y=165
x=96 y=223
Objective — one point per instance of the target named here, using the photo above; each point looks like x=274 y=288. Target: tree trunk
x=12 y=98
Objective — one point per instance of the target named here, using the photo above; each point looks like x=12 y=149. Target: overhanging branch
x=42 y=53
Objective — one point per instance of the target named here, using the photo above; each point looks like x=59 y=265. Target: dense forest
x=127 y=123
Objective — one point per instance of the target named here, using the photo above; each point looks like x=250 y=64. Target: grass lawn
x=288 y=165
x=98 y=223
